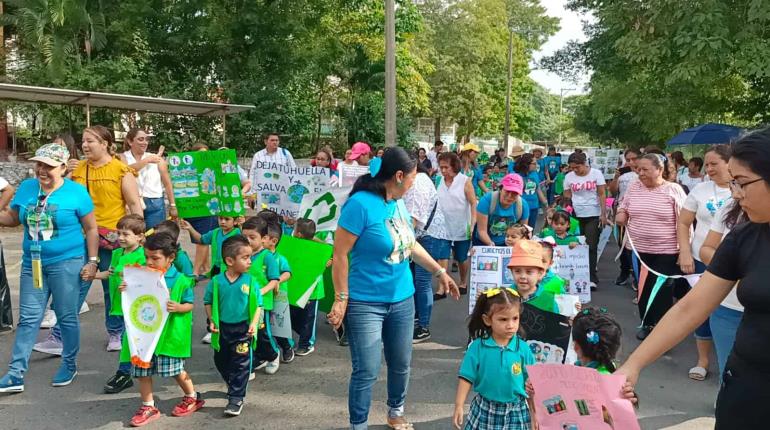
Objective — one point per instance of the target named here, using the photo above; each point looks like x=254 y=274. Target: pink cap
x=359 y=149
x=513 y=183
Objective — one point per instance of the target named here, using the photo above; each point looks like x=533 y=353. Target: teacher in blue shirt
x=374 y=292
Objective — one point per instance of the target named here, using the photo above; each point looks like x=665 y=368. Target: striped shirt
x=652 y=216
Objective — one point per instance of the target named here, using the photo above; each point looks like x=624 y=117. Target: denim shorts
x=458 y=248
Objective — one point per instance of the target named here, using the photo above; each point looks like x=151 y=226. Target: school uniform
x=303 y=320
x=264 y=268
x=233 y=307
x=215 y=238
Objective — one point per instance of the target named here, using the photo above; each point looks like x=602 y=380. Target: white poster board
x=144 y=311
x=348 y=174
x=324 y=208
x=488 y=270
x=281 y=188
x=280 y=317
x=572 y=266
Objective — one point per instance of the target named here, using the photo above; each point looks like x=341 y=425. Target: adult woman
x=499 y=210
x=324 y=158
x=153 y=177
x=55 y=211
x=527 y=167
x=422 y=159
x=703 y=202
x=678 y=166
x=457 y=200
x=739 y=258
x=430 y=230
x=470 y=168
x=650 y=211
x=373 y=285
x=585 y=187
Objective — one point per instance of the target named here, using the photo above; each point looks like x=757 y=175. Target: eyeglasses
x=736 y=186
x=321 y=159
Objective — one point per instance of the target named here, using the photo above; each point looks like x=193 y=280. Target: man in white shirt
x=438 y=148
x=273 y=153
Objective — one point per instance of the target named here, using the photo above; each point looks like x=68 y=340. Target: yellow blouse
x=104 y=184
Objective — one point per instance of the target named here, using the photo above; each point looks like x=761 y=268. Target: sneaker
x=643 y=332
x=342 y=338
x=261 y=364
x=11 y=384
x=233 y=408
x=119 y=382
x=420 y=334
x=287 y=355
x=63 y=377
x=51 y=345
x=305 y=351
x=272 y=366
x=49 y=319
x=115 y=343
x=635 y=300
x=621 y=280
x=145 y=415
x=188 y=405
x=592 y=285
x=206 y=338
x=84 y=308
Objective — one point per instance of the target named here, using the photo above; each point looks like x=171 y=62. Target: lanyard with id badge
x=38 y=220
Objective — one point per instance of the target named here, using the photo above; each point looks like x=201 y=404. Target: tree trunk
x=437 y=128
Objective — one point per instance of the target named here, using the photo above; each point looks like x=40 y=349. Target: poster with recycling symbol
x=144 y=311
x=206 y=183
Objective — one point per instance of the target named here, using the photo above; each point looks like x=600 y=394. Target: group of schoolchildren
x=246 y=273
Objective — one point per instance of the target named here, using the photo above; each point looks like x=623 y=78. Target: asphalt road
x=311 y=393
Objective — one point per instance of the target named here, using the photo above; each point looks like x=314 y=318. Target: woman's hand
x=337 y=313
x=213 y=328
x=457 y=417
x=173 y=212
x=88 y=272
x=632 y=376
x=447 y=285
x=184 y=225
x=603 y=219
x=628 y=393
x=72 y=164
x=686 y=263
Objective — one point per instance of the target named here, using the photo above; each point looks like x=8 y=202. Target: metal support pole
x=88 y=113
x=507 y=127
x=390 y=73
x=224 y=129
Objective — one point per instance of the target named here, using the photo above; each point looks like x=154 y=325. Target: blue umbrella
x=705 y=134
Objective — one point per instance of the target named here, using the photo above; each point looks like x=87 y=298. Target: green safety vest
x=118 y=262
x=216 y=258
x=257 y=271
x=544 y=301
x=254 y=287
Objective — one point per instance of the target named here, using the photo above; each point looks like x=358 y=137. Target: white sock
x=151 y=403
x=194 y=395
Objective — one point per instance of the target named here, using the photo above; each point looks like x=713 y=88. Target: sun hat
x=51 y=154
x=470 y=147
x=359 y=149
x=517 y=151
x=513 y=183
x=527 y=253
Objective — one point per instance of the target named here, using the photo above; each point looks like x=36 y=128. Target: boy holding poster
x=527 y=276
x=233 y=301
x=174 y=344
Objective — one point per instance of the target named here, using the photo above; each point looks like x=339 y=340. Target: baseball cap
x=471 y=147
x=527 y=253
x=513 y=183
x=51 y=154
x=359 y=149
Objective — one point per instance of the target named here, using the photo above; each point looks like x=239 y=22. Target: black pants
x=303 y=323
x=233 y=360
x=665 y=264
x=742 y=396
x=626 y=268
x=6 y=314
x=589 y=227
x=265 y=350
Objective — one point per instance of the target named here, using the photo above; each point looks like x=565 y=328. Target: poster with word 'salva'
x=281 y=188
x=206 y=183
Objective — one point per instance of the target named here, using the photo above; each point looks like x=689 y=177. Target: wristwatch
x=342 y=297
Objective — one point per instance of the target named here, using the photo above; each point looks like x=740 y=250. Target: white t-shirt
x=689 y=182
x=433 y=157
x=585 y=199
x=624 y=181
x=705 y=200
x=718 y=226
x=149 y=183
x=3 y=184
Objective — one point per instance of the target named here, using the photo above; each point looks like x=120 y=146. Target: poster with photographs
x=605 y=160
x=572 y=266
x=488 y=270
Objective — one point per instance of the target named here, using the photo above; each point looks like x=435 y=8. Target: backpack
x=496 y=198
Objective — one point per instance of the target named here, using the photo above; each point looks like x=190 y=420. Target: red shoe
x=145 y=415
x=187 y=406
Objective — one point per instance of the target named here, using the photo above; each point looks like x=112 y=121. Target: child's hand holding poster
x=579 y=398
x=144 y=310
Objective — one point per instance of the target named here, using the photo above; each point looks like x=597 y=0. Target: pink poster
x=579 y=398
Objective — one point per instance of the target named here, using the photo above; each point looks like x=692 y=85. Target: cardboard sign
x=281 y=188
x=144 y=309
x=206 y=183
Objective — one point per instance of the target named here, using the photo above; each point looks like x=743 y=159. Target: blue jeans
x=154 y=211
x=368 y=325
x=724 y=324
x=62 y=281
x=423 y=282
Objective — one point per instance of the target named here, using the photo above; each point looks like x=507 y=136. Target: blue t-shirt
x=208 y=238
x=57 y=217
x=379 y=261
x=182 y=263
x=497 y=373
x=531 y=182
x=171 y=276
x=540 y=169
x=498 y=222
x=552 y=164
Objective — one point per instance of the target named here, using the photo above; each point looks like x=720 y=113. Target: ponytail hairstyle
x=104 y=135
x=383 y=169
x=598 y=335
x=130 y=136
x=660 y=162
x=522 y=164
x=678 y=158
x=487 y=304
x=522 y=229
x=560 y=215
x=723 y=151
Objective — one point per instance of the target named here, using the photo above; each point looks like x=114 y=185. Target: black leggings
x=742 y=396
x=665 y=264
x=589 y=227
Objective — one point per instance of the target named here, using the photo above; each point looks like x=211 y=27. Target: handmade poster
x=579 y=398
x=308 y=259
x=280 y=317
x=324 y=208
x=548 y=334
x=488 y=270
x=280 y=187
x=206 y=183
x=572 y=266
x=144 y=312
x=348 y=174
x=325 y=304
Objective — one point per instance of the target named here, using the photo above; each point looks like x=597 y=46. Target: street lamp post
x=390 y=73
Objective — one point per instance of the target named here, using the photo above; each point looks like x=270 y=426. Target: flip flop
x=698 y=373
x=437 y=296
x=400 y=423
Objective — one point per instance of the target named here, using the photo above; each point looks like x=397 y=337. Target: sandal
x=698 y=373
x=399 y=423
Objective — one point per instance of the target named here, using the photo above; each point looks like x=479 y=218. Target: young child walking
x=174 y=345
x=596 y=338
x=182 y=261
x=515 y=233
x=559 y=230
x=528 y=269
x=495 y=365
x=232 y=300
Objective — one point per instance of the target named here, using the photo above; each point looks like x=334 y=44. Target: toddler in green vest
x=228 y=227
x=174 y=344
x=560 y=229
x=130 y=238
x=233 y=300
x=182 y=261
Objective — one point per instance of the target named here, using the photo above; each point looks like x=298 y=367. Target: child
x=515 y=233
x=264 y=269
x=597 y=339
x=130 y=238
x=551 y=282
x=486 y=184
x=303 y=320
x=560 y=230
x=495 y=366
x=528 y=269
x=182 y=261
x=174 y=344
x=233 y=299
x=558 y=183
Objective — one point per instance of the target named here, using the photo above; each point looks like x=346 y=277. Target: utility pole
x=507 y=127
x=390 y=73
x=562 y=91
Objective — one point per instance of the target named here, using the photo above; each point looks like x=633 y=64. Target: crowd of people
x=412 y=218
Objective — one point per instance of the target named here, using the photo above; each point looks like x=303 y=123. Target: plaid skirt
x=162 y=365
x=488 y=415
